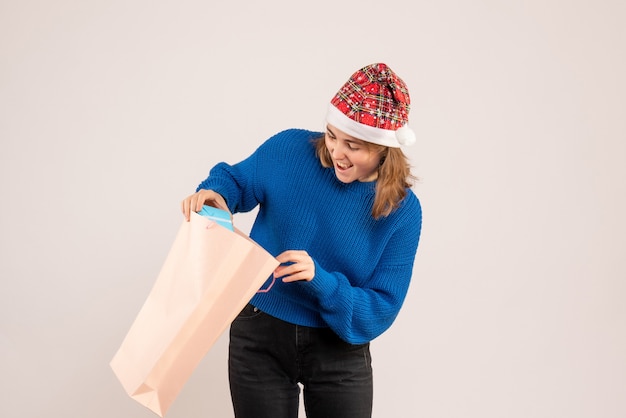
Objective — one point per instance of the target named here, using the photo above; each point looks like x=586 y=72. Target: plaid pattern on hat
x=373 y=105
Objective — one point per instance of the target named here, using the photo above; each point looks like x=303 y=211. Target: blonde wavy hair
x=394 y=175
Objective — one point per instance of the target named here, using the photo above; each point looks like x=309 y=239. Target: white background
x=113 y=111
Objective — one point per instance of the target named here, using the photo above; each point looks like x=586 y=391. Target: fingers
x=218 y=201
x=295 y=265
x=185 y=207
x=198 y=200
x=195 y=202
x=190 y=203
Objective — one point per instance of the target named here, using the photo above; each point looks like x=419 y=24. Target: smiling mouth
x=342 y=166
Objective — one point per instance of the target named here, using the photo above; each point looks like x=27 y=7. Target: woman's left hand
x=300 y=266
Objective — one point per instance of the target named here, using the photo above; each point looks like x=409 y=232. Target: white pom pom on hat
x=373 y=105
x=405 y=136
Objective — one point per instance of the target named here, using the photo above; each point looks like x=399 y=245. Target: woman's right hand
x=195 y=202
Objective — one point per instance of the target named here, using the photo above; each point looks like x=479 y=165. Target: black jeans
x=269 y=357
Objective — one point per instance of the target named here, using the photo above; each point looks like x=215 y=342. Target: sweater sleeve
x=236 y=183
x=360 y=314
x=242 y=185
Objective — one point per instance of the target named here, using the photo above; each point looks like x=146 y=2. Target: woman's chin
x=342 y=176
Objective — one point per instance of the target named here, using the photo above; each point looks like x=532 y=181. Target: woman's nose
x=336 y=152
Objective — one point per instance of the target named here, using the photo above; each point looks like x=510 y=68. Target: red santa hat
x=373 y=105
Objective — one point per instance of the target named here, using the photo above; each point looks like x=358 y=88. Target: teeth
x=344 y=166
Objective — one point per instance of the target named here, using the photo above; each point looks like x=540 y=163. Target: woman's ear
x=383 y=156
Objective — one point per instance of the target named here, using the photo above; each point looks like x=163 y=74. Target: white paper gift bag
x=208 y=277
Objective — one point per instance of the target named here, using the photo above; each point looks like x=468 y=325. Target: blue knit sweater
x=363 y=266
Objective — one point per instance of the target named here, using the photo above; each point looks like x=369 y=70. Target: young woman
x=337 y=211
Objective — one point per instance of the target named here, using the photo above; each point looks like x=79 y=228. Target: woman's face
x=353 y=158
